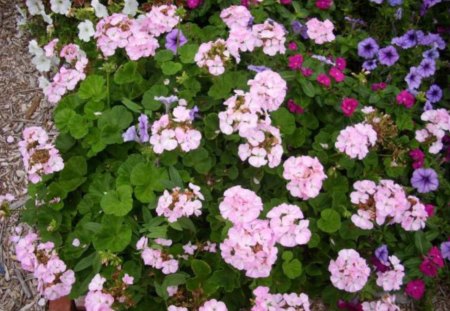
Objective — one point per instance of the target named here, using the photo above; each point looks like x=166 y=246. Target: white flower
x=43 y=82
x=35 y=6
x=42 y=63
x=34 y=49
x=100 y=9
x=85 y=30
x=46 y=18
x=130 y=7
x=22 y=18
x=60 y=6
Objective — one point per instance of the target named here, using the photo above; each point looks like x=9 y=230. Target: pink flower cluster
x=288 y=224
x=38 y=155
x=435 y=130
x=251 y=247
x=265 y=301
x=247 y=114
x=53 y=278
x=305 y=175
x=69 y=75
x=170 y=132
x=432 y=262
x=244 y=36
x=386 y=201
x=356 y=140
x=213 y=305
x=96 y=299
x=320 y=32
x=189 y=248
x=250 y=244
x=349 y=272
x=157 y=258
x=137 y=36
x=214 y=56
x=386 y=303
x=177 y=203
x=392 y=277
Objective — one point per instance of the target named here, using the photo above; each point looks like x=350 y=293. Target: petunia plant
x=238 y=155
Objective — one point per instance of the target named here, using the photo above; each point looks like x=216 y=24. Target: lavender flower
x=323 y=59
x=425 y=180
x=408 y=40
x=445 y=250
x=167 y=101
x=399 y=14
x=194 y=113
x=382 y=254
x=300 y=29
x=395 y=2
x=428 y=106
x=143 y=128
x=388 y=56
x=175 y=39
x=431 y=54
x=427 y=4
x=427 y=68
x=433 y=40
x=355 y=21
x=257 y=68
x=413 y=78
x=434 y=93
x=130 y=135
x=370 y=65
x=368 y=48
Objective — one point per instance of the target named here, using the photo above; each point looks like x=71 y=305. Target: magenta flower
x=295 y=62
x=429 y=208
x=294 y=107
x=341 y=63
x=324 y=4
x=348 y=106
x=406 y=99
x=432 y=263
x=415 y=289
x=193 y=4
x=336 y=74
x=378 y=86
x=292 y=46
x=418 y=157
x=307 y=72
x=324 y=80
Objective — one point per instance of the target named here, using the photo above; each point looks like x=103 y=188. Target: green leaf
x=163 y=56
x=62 y=119
x=307 y=87
x=201 y=268
x=93 y=87
x=187 y=53
x=148 y=100
x=175 y=177
x=292 y=269
x=330 y=221
x=287 y=256
x=284 y=120
x=131 y=105
x=147 y=179
x=114 y=235
x=118 y=202
x=79 y=126
x=86 y=262
x=170 y=68
x=127 y=73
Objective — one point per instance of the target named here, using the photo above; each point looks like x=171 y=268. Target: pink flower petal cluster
x=240 y=115
x=438 y=124
x=214 y=56
x=236 y=16
x=176 y=204
x=38 y=155
x=213 y=305
x=175 y=308
x=68 y=75
x=288 y=224
x=240 y=205
x=432 y=262
x=386 y=202
x=356 y=140
x=176 y=130
x=271 y=36
x=97 y=299
x=265 y=301
x=157 y=258
x=267 y=90
x=320 y=32
x=305 y=175
x=386 y=303
x=262 y=146
x=415 y=289
x=137 y=36
x=392 y=278
x=349 y=272
x=251 y=247
x=54 y=280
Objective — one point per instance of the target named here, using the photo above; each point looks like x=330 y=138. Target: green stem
x=107 y=90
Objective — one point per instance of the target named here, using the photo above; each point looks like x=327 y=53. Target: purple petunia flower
x=408 y=40
x=194 y=113
x=370 y=64
x=131 y=135
x=445 y=250
x=368 y=48
x=399 y=14
x=427 y=68
x=300 y=29
x=427 y=4
x=382 y=254
x=433 y=40
x=395 y=2
x=431 y=54
x=175 y=39
x=434 y=93
x=167 y=101
x=428 y=106
x=388 y=56
x=143 y=128
x=257 y=68
x=414 y=79
x=425 y=180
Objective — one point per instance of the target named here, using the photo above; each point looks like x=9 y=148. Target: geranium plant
x=237 y=155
